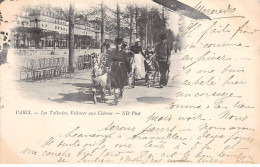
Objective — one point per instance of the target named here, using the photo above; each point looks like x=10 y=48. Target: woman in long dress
x=139 y=59
x=119 y=77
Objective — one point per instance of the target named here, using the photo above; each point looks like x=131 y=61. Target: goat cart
x=152 y=73
x=151 y=67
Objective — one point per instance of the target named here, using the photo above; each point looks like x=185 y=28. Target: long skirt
x=118 y=75
x=139 y=66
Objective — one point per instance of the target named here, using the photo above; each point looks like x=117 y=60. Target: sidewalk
x=76 y=90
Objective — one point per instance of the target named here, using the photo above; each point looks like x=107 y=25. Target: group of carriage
x=101 y=74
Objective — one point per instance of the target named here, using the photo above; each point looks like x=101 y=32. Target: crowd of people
x=120 y=67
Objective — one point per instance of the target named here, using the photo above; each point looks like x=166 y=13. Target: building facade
x=48 y=28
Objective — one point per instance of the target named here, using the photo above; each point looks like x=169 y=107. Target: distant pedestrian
x=3 y=54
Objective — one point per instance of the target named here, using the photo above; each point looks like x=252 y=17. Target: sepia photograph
x=115 y=53
x=129 y=82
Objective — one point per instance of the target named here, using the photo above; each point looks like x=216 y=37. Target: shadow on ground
x=75 y=97
x=154 y=100
x=80 y=85
x=79 y=97
x=83 y=96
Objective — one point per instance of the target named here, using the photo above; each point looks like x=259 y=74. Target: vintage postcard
x=129 y=82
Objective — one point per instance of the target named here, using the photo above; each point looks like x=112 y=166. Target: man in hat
x=163 y=56
x=139 y=59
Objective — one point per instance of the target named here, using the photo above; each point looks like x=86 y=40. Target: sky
x=173 y=22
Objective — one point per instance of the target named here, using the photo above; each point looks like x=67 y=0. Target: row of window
x=77 y=26
x=61 y=28
x=44 y=26
x=60 y=22
x=22 y=22
x=16 y=35
x=47 y=14
x=63 y=23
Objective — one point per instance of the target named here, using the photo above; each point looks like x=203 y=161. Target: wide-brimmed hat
x=118 y=41
x=137 y=40
x=163 y=36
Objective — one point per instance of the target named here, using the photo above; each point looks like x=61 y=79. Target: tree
x=128 y=23
x=71 y=38
x=150 y=24
x=142 y=24
x=131 y=24
x=118 y=23
x=102 y=26
x=158 y=25
x=136 y=20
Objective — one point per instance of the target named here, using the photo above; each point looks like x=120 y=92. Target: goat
x=100 y=80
